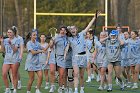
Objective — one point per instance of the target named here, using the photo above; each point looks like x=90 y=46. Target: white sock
x=15 y=89
x=7 y=89
x=19 y=81
x=89 y=77
x=110 y=86
x=76 y=89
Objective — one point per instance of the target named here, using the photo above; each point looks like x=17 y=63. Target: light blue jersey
x=121 y=36
x=113 y=51
x=124 y=52
x=32 y=61
x=60 y=44
x=10 y=56
x=52 y=59
x=134 y=51
x=88 y=48
x=43 y=57
x=78 y=43
x=20 y=42
x=78 y=46
x=134 y=48
x=101 y=52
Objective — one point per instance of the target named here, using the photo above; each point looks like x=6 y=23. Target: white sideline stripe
x=55 y=85
x=86 y=85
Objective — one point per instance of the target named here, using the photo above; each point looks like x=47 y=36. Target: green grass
x=89 y=88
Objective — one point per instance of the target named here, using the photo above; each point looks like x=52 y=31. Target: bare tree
x=18 y=18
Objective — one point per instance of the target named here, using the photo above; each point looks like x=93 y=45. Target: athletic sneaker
x=109 y=89
x=135 y=86
x=19 y=85
x=122 y=86
x=89 y=80
x=37 y=91
x=82 y=90
x=47 y=86
x=66 y=90
x=59 y=90
x=14 y=91
x=63 y=87
x=128 y=85
x=7 y=90
x=28 y=91
x=52 y=89
x=70 y=90
x=100 y=88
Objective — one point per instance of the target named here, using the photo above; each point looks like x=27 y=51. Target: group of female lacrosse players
x=69 y=53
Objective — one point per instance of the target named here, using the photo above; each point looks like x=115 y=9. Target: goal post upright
x=106 y=12
x=34 y=14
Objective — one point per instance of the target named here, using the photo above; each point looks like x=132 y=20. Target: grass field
x=89 y=88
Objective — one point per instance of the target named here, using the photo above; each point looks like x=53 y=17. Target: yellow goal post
x=70 y=14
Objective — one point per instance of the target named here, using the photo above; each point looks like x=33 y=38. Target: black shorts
x=117 y=63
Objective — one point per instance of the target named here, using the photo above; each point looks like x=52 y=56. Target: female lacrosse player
x=120 y=33
x=60 y=45
x=20 y=49
x=101 y=60
x=32 y=64
x=88 y=41
x=124 y=62
x=52 y=64
x=68 y=82
x=113 y=53
x=10 y=47
x=43 y=58
x=134 y=57
x=79 y=61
